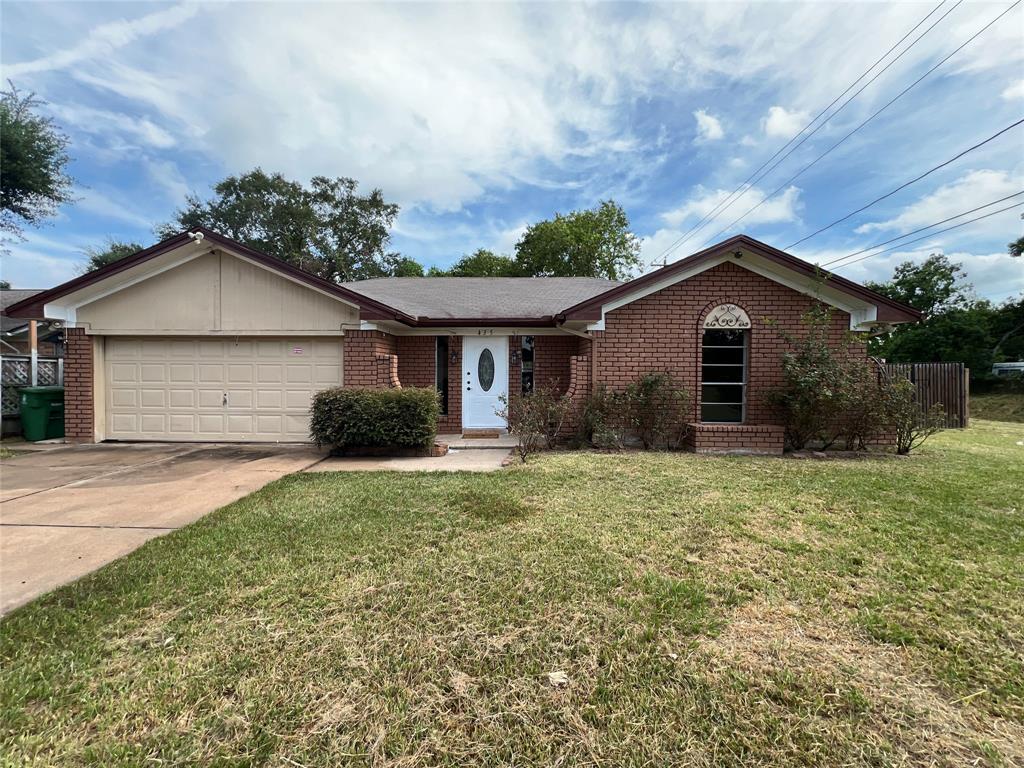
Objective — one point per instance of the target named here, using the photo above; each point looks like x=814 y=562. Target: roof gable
x=176 y=250
x=864 y=305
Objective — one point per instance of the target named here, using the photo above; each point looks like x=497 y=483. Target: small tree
x=910 y=424
x=535 y=419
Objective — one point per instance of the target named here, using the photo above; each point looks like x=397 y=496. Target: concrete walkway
x=469 y=460
x=69 y=510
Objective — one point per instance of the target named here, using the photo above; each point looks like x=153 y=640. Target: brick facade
x=79 y=405
x=370 y=360
x=662 y=332
x=735 y=438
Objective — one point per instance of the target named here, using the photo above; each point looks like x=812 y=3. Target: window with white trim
x=723 y=365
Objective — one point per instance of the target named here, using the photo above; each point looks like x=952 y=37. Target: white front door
x=484 y=380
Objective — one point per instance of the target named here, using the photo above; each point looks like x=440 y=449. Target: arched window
x=724 y=365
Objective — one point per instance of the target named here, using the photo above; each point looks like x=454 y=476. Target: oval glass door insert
x=485 y=370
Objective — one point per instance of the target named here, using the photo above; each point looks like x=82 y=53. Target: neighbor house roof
x=533 y=299
x=9 y=298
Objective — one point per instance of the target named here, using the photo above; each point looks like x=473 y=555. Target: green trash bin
x=42 y=413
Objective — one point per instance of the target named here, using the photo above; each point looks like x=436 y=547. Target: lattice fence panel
x=16 y=372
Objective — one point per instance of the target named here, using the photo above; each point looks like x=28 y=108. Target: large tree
x=113 y=250
x=933 y=286
x=326 y=228
x=33 y=162
x=592 y=243
x=1016 y=248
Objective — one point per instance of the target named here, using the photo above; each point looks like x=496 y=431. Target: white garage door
x=213 y=389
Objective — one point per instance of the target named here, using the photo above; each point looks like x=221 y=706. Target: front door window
x=485 y=370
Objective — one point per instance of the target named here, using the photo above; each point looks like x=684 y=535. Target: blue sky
x=479 y=119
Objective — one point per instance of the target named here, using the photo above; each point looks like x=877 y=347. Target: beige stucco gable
x=216 y=293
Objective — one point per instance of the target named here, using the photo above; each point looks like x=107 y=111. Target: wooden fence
x=946 y=383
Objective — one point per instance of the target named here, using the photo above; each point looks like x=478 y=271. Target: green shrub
x=604 y=419
x=659 y=410
x=911 y=424
x=374 y=418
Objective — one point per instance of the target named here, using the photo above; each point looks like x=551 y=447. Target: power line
x=932 y=234
x=745 y=187
x=916 y=179
x=855 y=130
x=921 y=229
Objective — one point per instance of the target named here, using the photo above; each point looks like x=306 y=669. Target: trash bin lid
x=40 y=390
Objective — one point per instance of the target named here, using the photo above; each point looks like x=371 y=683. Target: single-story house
x=202 y=338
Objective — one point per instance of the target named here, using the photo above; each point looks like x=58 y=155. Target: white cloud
x=102 y=122
x=782 y=123
x=1014 y=91
x=709 y=127
x=782 y=208
x=108 y=206
x=105 y=40
x=971 y=190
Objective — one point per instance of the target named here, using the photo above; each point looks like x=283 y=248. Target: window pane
x=526 y=357
x=719 y=338
x=722 y=374
x=722 y=393
x=730 y=413
x=441 y=371
x=724 y=355
x=485 y=370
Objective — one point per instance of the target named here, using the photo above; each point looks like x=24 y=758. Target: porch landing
x=460 y=442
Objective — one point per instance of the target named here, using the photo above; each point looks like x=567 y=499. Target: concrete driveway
x=66 y=511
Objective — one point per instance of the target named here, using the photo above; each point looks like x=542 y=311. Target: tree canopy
x=327 y=228
x=956 y=327
x=481 y=263
x=34 y=158
x=596 y=242
x=114 y=250
x=1016 y=248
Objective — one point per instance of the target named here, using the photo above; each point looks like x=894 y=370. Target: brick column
x=79 y=413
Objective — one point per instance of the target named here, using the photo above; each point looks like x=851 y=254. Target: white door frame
x=475 y=408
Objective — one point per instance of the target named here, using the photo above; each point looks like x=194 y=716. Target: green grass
x=7 y=453
x=705 y=611
x=998 y=407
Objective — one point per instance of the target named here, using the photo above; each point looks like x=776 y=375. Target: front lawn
x=587 y=609
x=998 y=406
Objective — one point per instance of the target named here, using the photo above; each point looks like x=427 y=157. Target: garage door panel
x=181 y=398
x=211 y=373
x=211 y=398
x=153 y=398
x=240 y=398
x=174 y=388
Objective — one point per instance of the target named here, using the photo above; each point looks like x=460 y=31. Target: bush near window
x=659 y=410
x=655 y=408
x=834 y=394
x=535 y=419
x=375 y=418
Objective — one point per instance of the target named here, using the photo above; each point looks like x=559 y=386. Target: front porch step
x=463 y=442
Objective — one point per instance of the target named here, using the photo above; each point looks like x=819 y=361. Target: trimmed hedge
x=375 y=418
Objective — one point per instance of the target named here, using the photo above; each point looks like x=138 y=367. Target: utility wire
x=855 y=130
x=921 y=229
x=916 y=179
x=750 y=181
x=932 y=234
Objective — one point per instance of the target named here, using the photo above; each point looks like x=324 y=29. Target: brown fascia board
x=32 y=307
x=493 y=322
x=888 y=310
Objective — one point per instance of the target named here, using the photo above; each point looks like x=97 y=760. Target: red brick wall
x=662 y=332
x=551 y=361
x=369 y=359
x=416 y=360
x=79 y=413
x=452 y=423
x=735 y=438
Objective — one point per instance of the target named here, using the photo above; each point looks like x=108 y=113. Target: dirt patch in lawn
x=788 y=652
